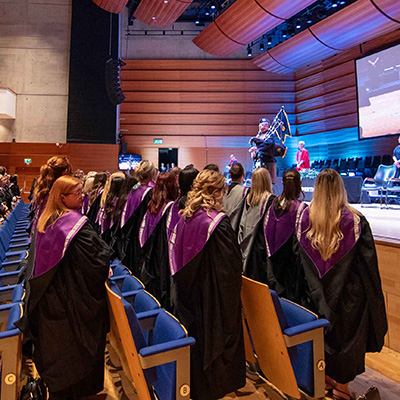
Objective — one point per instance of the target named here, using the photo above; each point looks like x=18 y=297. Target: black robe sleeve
x=208 y=303
x=154 y=265
x=68 y=317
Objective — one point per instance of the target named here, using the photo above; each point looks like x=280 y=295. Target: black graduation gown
x=154 y=265
x=350 y=297
x=93 y=211
x=67 y=317
x=284 y=272
x=257 y=258
x=127 y=246
x=207 y=302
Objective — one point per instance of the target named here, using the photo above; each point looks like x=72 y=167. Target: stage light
x=269 y=40
x=207 y=11
x=153 y=18
x=342 y=2
x=166 y=1
x=249 y=51
x=262 y=46
x=298 y=24
x=334 y=4
x=197 y=22
x=213 y=7
x=309 y=21
x=284 y=33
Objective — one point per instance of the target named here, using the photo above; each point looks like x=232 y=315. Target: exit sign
x=157 y=141
x=27 y=160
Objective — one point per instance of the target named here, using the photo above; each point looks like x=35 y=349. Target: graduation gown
x=94 y=210
x=66 y=314
x=346 y=290
x=154 y=265
x=127 y=246
x=206 y=266
x=233 y=204
x=284 y=272
x=251 y=238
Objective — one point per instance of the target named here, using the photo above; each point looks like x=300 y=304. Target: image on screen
x=378 y=89
x=127 y=162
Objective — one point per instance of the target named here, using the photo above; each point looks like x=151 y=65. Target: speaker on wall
x=113 y=84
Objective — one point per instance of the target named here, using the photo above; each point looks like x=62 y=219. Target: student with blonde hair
x=338 y=255
x=206 y=267
x=251 y=233
x=66 y=311
x=128 y=246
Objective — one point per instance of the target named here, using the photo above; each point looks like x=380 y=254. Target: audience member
x=284 y=273
x=14 y=186
x=100 y=180
x=251 y=231
x=206 y=268
x=234 y=199
x=212 y=167
x=66 y=312
x=54 y=168
x=134 y=210
x=338 y=255
x=154 y=265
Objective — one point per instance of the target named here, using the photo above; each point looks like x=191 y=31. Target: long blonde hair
x=330 y=198
x=207 y=192
x=55 y=208
x=108 y=186
x=145 y=171
x=261 y=187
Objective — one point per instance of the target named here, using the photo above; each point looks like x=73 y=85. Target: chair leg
x=319 y=364
x=11 y=355
x=183 y=375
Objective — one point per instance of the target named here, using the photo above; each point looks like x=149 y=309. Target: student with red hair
x=154 y=266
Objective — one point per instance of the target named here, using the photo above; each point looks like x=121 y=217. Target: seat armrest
x=307 y=327
x=5 y=289
x=164 y=347
x=129 y=296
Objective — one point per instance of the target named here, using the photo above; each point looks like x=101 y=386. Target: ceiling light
x=249 y=51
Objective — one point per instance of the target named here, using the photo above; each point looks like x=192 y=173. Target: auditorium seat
x=379 y=182
x=11 y=294
x=276 y=325
x=10 y=350
x=167 y=349
x=387 y=159
x=360 y=168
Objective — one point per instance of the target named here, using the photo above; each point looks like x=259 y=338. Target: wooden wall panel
x=328 y=124
x=338 y=96
x=212 y=97
x=327 y=87
x=206 y=108
x=346 y=107
x=96 y=157
x=112 y=6
x=390 y=276
x=216 y=99
x=206 y=86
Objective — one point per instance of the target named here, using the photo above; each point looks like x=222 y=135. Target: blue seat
x=167 y=349
x=124 y=277
x=10 y=349
x=12 y=294
x=287 y=339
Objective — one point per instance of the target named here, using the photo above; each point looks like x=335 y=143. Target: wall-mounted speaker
x=113 y=82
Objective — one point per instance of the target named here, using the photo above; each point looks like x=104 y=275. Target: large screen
x=378 y=89
x=127 y=162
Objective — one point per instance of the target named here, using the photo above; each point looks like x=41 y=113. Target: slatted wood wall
x=199 y=106
x=326 y=105
x=89 y=157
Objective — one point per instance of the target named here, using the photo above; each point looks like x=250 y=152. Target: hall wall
x=34 y=63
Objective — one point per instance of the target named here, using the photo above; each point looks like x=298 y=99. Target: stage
x=384 y=222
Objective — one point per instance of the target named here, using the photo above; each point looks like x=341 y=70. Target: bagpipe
x=280 y=127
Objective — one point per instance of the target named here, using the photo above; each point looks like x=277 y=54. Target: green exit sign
x=157 y=141
x=27 y=160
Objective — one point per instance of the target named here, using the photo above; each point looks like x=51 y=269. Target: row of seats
x=365 y=167
x=283 y=341
x=14 y=241
x=152 y=346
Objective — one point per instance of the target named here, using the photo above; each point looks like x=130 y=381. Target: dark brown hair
x=291 y=190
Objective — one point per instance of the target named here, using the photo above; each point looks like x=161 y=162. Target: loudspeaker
x=123 y=148
x=113 y=85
